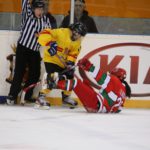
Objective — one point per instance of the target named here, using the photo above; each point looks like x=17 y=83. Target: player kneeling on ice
x=111 y=96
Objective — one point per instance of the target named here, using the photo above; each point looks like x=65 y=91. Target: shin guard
x=67 y=85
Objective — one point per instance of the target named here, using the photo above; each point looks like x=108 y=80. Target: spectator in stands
x=49 y=15
x=81 y=15
x=27 y=53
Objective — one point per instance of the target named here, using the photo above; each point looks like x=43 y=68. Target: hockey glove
x=85 y=64
x=53 y=48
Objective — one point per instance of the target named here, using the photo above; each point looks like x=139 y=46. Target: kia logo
x=134 y=63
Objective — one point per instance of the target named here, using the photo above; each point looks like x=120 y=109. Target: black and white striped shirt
x=30 y=26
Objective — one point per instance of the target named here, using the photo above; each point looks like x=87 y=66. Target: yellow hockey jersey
x=67 y=49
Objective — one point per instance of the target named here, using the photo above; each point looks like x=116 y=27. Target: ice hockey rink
x=26 y=128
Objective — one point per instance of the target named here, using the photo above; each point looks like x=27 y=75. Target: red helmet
x=119 y=72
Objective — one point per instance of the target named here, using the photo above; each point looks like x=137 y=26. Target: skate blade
x=10 y=103
x=69 y=106
x=37 y=106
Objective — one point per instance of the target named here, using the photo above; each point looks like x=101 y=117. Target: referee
x=27 y=54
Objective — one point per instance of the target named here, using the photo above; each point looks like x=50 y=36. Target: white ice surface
x=26 y=128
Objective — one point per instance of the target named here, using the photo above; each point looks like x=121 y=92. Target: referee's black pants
x=25 y=57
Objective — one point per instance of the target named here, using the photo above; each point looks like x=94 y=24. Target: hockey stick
x=65 y=65
x=25 y=90
x=66 y=70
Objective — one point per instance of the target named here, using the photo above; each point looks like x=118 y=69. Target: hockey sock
x=67 y=85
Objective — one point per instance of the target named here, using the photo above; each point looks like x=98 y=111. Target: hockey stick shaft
x=25 y=90
x=66 y=70
x=65 y=65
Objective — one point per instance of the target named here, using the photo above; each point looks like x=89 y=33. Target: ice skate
x=10 y=100
x=41 y=103
x=67 y=101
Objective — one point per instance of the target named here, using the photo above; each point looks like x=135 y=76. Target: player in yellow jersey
x=63 y=48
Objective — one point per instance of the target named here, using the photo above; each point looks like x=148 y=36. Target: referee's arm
x=26 y=7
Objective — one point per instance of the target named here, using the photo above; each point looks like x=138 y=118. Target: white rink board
x=137 y=54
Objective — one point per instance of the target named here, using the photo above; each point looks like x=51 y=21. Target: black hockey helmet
x=79 y=28
x=38 y=4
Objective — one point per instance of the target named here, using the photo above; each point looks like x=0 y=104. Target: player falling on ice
x=111 y=96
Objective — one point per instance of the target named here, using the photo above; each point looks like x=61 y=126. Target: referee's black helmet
x=38 y=4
